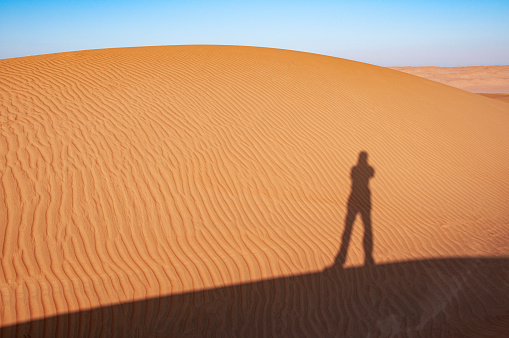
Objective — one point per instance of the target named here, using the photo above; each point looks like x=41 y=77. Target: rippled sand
x=203 y=190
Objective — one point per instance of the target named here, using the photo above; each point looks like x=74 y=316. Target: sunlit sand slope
x=142 y=172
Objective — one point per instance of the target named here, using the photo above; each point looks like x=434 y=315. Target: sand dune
x=476 y=79
x=204 y=189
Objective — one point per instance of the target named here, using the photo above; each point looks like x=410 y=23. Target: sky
x=384 y=33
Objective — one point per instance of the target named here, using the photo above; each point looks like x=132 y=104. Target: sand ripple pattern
x=135 y=173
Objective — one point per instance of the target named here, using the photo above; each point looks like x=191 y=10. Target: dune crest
x=135 y=173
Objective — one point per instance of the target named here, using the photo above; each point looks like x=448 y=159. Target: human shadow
x=454 y=297
x=359 y=202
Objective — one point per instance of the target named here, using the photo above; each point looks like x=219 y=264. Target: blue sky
x=385 y=33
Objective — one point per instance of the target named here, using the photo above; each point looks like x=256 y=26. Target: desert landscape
x=476 y=79
x=205 y=191
x=490 y=81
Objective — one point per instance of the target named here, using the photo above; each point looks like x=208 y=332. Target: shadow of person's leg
x=345 y=241
x=368 y=236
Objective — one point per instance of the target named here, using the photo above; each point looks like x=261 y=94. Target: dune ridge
x=135 y=173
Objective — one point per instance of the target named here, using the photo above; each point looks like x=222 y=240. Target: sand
x=475 y=79
x=499 y=96
x=203 y=191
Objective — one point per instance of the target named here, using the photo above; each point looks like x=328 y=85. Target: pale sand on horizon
x=475 y=79
x=203 y=191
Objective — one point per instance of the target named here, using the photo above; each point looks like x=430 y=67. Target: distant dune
x=475 y=79
x=203 y=191
x=501 y=97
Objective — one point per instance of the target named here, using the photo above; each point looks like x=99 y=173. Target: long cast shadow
x=436 y=297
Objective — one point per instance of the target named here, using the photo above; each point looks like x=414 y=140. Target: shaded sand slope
x=501 y=97
x=445 y=297
x=477 y=79
x=136 y=173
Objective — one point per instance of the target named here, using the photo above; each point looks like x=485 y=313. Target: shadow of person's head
x=363 y=158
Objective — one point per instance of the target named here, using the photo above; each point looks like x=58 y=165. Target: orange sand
x=179 y=176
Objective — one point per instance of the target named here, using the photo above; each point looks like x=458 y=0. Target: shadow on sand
x=444 y=297
x=435 y=297
x=359 y=202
